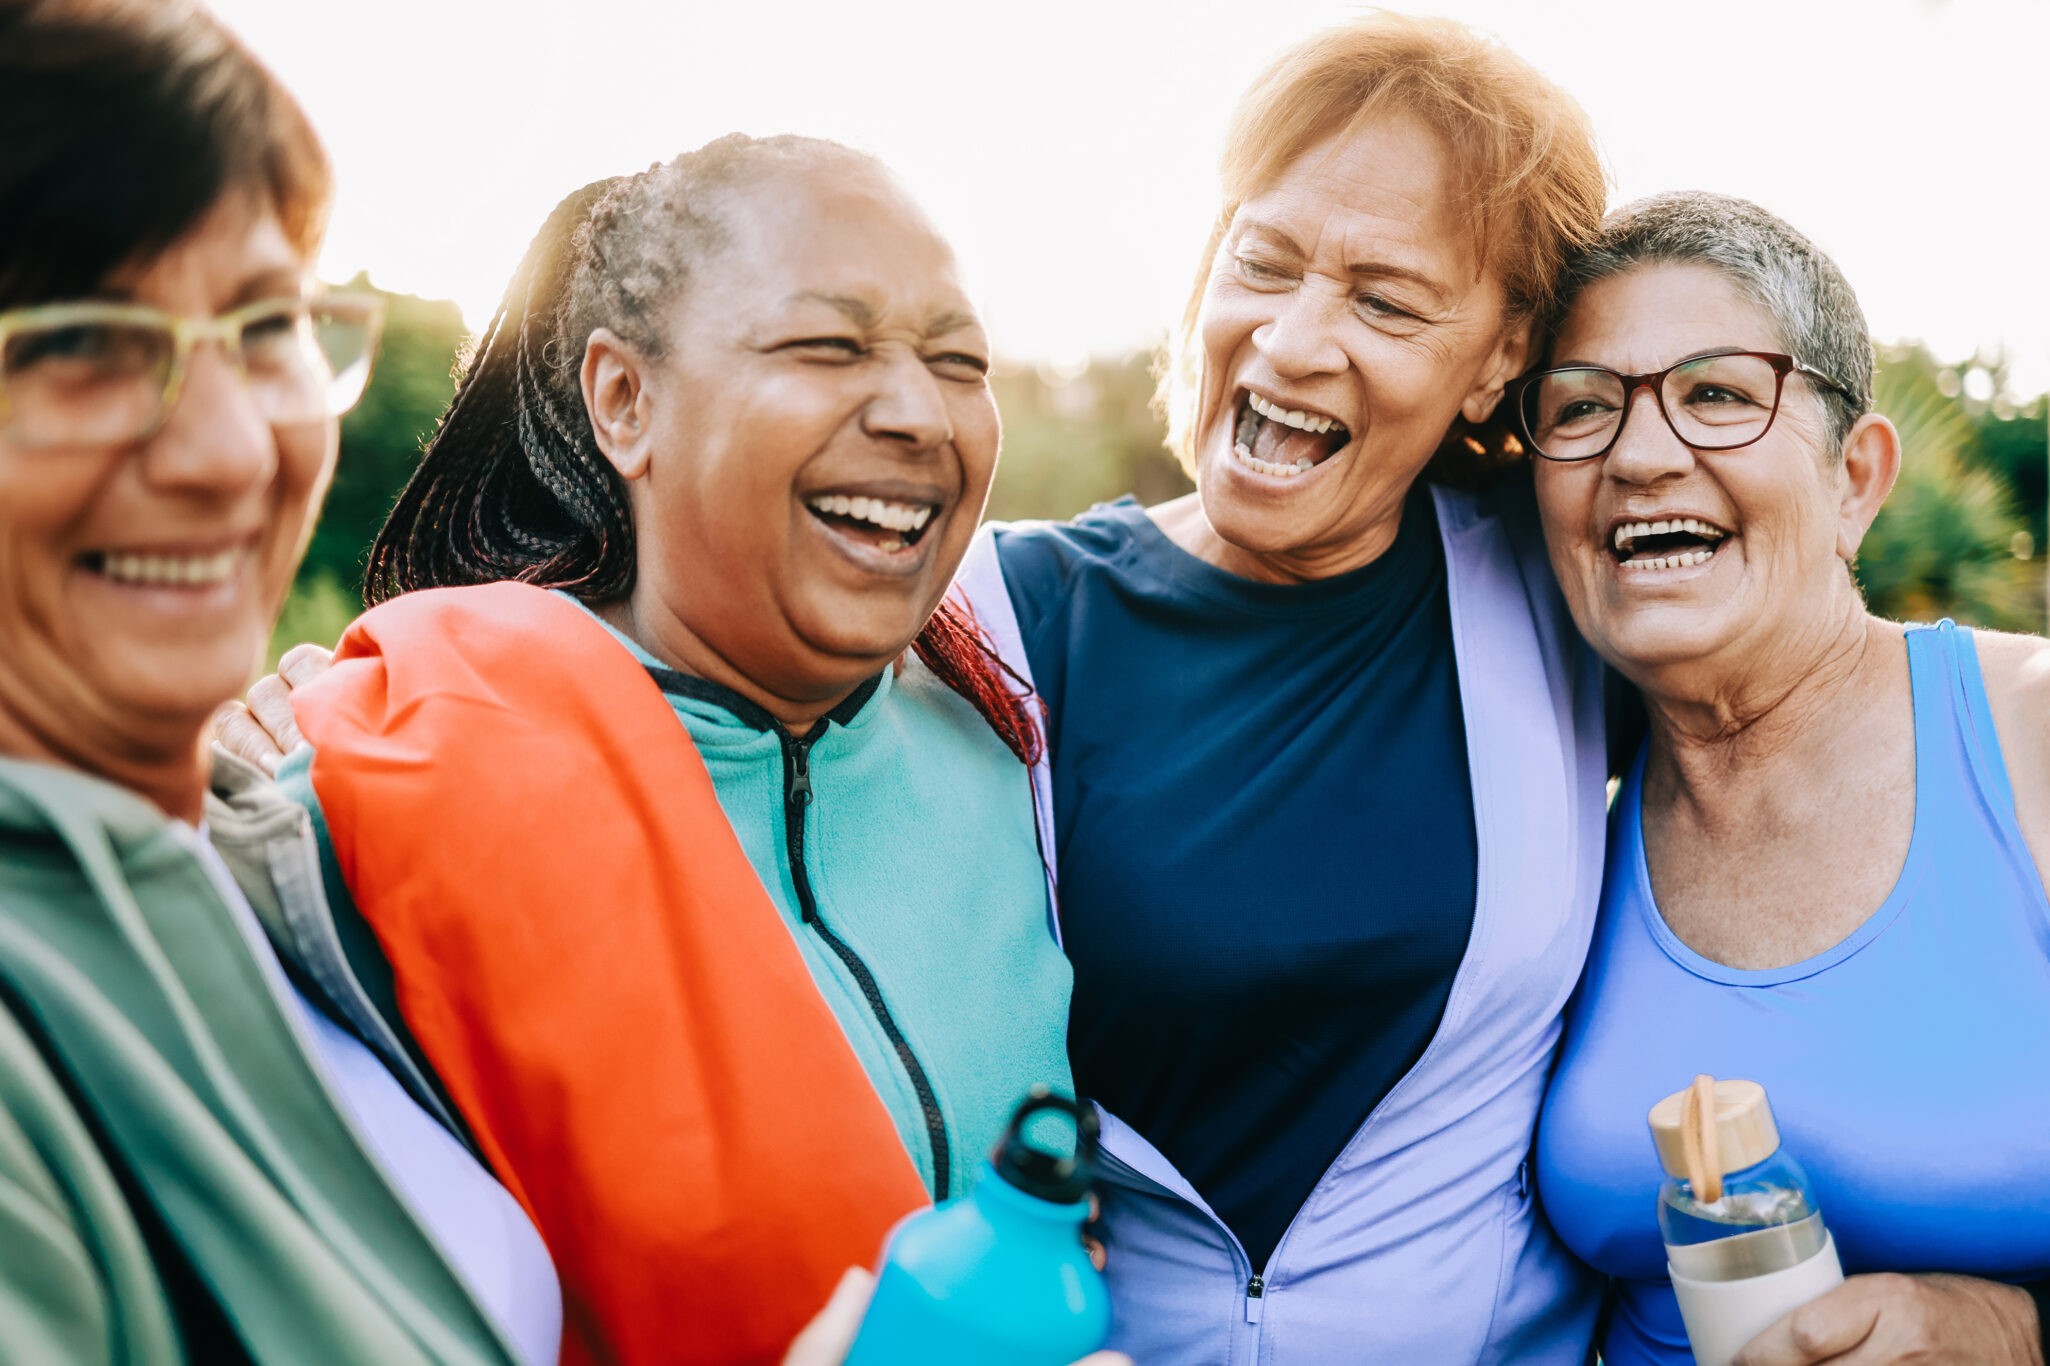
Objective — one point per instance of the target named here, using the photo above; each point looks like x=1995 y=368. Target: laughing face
x=811 y=455
x=1346 y=322
x=1676 y=558
x=138 y=582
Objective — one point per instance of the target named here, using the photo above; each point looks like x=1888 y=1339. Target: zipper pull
x=800 y=774
x=1256 y=1292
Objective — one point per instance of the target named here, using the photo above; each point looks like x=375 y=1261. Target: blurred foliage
x=318 y=609
x=1963 y=534
x=1081 y=436
x=381 y=441
x=1956 y=538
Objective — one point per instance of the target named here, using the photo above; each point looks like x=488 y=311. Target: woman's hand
x=1933 y=1320
x=826 y=1339
x=262 y=730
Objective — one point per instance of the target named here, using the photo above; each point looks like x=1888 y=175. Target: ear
x=1511 y=355
x=615 y=388
x=1871 y=462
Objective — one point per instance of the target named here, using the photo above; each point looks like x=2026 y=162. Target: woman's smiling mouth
x=165 y=570
x=878 y=531
x=1664 y=544
x=1284 y=442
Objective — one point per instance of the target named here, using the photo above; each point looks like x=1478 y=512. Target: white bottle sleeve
x=1722 y=1316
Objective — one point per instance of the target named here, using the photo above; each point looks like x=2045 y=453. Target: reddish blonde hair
x=1534 y=183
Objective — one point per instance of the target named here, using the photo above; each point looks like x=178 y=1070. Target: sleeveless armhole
x=1975 y=714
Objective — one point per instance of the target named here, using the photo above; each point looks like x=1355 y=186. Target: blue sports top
x=1265 y=832
x=1905 y=1065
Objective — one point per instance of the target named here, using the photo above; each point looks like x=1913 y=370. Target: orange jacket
x=588 y=960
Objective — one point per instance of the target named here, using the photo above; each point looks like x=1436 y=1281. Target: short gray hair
x=1811 y=305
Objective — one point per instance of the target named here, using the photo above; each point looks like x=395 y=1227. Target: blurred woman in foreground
x=213 y=1147
x=1827 y=865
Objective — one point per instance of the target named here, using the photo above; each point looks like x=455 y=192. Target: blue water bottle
x=999 y=1277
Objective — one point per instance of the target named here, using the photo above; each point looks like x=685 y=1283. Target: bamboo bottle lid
x=1711 y=1129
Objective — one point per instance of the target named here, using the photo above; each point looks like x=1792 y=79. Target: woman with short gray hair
x=1826 y=867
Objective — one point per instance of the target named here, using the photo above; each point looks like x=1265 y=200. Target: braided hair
x=513 y=485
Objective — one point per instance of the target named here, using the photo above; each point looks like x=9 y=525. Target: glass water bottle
x=1745 y=1241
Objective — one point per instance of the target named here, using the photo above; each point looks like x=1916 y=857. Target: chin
x=863 y=636
x=170 y=685
x=1656 y=640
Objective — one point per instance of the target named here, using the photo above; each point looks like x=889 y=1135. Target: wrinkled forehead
x=840 y=229
x=238 y=252
x=1383 y=189
x=1654 y=313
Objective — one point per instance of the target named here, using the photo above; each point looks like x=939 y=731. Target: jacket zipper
x=796 y=797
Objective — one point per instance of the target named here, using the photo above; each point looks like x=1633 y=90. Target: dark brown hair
x=513 y=485
x=121 y=123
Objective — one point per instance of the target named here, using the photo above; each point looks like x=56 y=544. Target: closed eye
x=837 y=348
x=1382 y=308
x=976 y=364
x=1261 y=270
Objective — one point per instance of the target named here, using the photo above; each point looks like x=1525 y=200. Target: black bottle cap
x=1049 y=1176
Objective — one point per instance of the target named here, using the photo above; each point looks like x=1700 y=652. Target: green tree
x=381 y=441
x=1073 y=439
x=1950 y=540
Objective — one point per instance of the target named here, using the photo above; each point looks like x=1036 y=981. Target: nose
x=1647 y=449
x=908 y=408
x=215 y=442
x=1302 y=339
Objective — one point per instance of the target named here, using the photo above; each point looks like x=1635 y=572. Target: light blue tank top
x=1908 y=1066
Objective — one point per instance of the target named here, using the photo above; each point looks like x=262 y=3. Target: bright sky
x=1068 y=146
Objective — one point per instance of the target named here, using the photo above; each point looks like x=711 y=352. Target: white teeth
x=889 y=516
x=1247 y=457
x=1691 y=558
x=183 y=571
x=1290 y=417
x=1632 y=531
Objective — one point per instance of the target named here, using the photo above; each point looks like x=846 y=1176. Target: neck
x=1797 y=704
x=171 y=775
x=677 y=646
x=1184 y=522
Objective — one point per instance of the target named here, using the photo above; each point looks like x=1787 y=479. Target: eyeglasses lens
x=307 y=362
x=1713 y=403
x=85 y=383
x=103 y=381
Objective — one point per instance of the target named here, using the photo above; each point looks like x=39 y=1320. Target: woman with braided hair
x=720 y=1001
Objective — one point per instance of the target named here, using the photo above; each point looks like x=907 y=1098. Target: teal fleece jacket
x=929 y=930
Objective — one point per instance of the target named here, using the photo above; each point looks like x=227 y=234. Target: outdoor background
x=1067 y=148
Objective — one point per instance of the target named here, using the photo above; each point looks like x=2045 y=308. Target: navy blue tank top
x=1908 y=1066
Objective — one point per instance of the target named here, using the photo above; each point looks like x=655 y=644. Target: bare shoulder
x=2017 y=673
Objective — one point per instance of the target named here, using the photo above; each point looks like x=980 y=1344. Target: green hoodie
x=928 y=912
x=177 y=1183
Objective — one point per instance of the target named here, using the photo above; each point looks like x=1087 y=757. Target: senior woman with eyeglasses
x=212 y=1148
x=1826 y=872
x=1327 y=758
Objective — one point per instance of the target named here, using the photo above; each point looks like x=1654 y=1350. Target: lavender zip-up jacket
x=1422 y=1243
